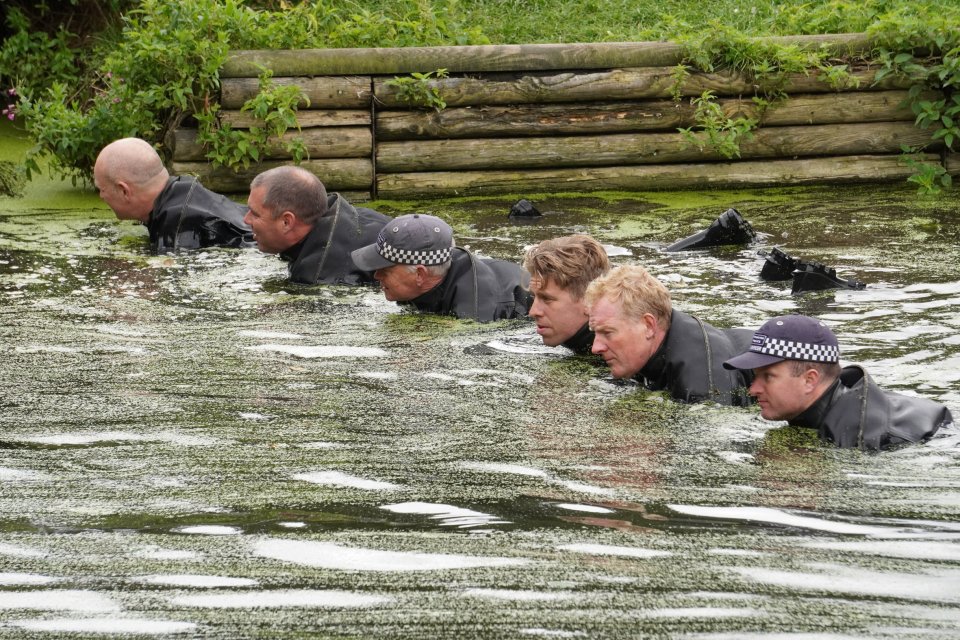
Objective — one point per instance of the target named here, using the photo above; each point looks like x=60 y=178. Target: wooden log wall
x=525 y=119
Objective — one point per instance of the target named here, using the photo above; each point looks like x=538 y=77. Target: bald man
x=178 y=211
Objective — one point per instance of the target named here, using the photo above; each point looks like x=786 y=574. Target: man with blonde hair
x=640 y=335
x=560 y=271
x=178 y=211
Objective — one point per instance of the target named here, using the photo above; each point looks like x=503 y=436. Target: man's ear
x=288 y=219
x=811 y=378
x=124 y=188
x=650 y=324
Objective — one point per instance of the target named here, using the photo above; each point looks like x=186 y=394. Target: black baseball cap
x=411 y=239
x=793 y=337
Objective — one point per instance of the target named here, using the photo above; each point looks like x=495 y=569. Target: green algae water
x=192 y=447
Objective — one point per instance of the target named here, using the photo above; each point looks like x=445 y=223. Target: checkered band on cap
x=792 y=350
x=408 y=256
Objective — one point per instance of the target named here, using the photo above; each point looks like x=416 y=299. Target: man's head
x=411 y=256
x=285 y=203
x=795 y=359
x=630 y=313
x=560 y=270
x=129 y=175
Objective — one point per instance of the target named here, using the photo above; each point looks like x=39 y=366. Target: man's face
x=112 y=195
x=780 y=394
x=398 y=283
x=626 y=344
x=557 y=313
x=269 y=232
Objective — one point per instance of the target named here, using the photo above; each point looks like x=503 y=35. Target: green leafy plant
x=418 y=89
x=715 y=129
x=275 y=106
x=931 y=178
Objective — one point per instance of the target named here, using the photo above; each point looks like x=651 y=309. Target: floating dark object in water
x=777 y=265
x=524 y=209
x=729 y=228
x=813 y=276
x=807 y=276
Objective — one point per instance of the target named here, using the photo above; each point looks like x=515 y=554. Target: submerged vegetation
x=142 y=68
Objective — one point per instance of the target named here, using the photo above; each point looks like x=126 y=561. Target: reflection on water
x=192 y=446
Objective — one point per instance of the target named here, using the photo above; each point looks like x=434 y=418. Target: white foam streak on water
x=734 y=457
x=940 y=585
x=377 y=375
x=328 y=555
x=269 y=335
x=449 y=516
x=320 y=445
x=516 y=595
x=501 y=467
x=168 y=554
x=944 y=551
x=582 y=487
x=20 y=552
x=552 y=633
x=24 y=578
x=136 y=626
x=189 y=580
x=524 y=348
x=701 y=612
x=8 y=474
x=57 y=599
x=332 y=599
x=321 y=351
x=209 y=530
x=587 y=508
x=339 y=479
x=775 y=516
x=614 y=550
x=744 y=553
x=121 y=436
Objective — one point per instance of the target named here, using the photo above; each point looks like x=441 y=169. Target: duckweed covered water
x=191 y=447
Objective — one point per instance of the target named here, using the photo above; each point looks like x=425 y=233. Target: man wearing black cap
x=798 y=378
x=292 y=215
x=416 y=261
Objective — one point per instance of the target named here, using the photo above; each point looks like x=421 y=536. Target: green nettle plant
x=416 y=89
x=715 y=129
x=275 y=106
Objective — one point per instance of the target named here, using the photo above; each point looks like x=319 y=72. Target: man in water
x=560 y=270
x=292 y=215
x=798 y=378
x=417 y=262
x=178 y=211
x=640 y=335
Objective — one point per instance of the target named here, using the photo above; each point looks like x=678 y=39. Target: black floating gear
x=729 y=228
x=777 y=265
x=813 y=276
x=524 y=209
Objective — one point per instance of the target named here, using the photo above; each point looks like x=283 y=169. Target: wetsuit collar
x=813 y=415
x=581 y=342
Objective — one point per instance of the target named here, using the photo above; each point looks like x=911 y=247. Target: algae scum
x=191 y=447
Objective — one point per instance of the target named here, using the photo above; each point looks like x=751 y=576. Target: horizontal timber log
x=641 y=148
x=339 y=174
x=655 y=115
x=323 y=93
x=320 y=142
x=642 y=83
x=952 y=164
x=305 y=118
x=845 y=169
x=510 y=57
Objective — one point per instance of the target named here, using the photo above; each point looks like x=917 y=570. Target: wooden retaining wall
x=526 y=119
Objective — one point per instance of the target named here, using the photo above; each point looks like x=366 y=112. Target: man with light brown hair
x=640 y=335
x=560 y=270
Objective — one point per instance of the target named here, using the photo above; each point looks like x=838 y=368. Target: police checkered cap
x=792 y=337
x=410 y=239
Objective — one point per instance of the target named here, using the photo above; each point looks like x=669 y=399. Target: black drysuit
x=689 y=363
x=856 y=413
x=481 y=289
x=187 y=215
x=323 y=257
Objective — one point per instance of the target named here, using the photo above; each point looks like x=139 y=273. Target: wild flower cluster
x=10 y=111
